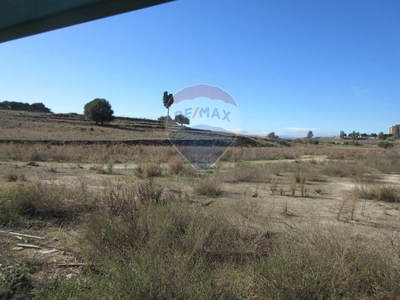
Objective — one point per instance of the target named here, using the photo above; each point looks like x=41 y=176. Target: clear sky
x=292 y=66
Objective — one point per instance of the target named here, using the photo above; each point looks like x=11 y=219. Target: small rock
x=69 y=276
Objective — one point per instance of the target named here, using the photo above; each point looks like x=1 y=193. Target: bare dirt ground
x=370 y=214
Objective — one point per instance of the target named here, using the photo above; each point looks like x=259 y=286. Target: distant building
x=395 y=129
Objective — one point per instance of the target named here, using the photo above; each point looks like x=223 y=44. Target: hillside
x=35 y=127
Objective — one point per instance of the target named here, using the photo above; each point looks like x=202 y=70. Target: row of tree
x=356 y=135
x=100 y=111
x=13 y=105
x=180 y=119
x=273 y=136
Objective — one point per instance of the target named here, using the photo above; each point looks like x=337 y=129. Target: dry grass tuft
x=176 y=166
x=13 y=177
x=122 y=197
x=381 y=192
x=146 y=170
x=44 y=200
x=273 y=184
x=209 y=186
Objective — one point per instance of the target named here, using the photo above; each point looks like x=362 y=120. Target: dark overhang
x=21 y=18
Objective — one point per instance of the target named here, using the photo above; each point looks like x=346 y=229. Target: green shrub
x=299 y=177
x=172 y=250
x=15 y=282
x=385 y=145
x=12 y=157
x=11 y=177
x=48 y=201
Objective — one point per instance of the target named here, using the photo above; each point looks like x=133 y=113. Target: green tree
x=37 y=106
x=99 y=110
x=4 y=105
x=272 y=136
x=342 y=134
x=181 y=119
x=310 y=134
x=381 y=136
x=164 y=119
x=168 y=99
x=354 y=135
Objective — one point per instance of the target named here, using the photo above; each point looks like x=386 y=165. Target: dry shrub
x=349 y=202
x=273 y=184
x=293 y=185
x=381 y=192
x=209 y=186
x=147 y=191
x=96 y=153
x=175 y=250
x=110 y=167
x=245 y=172
x=281 y=191
x=176 y=166
x=122 y=197
x=99 y=169
x=172 y=250
x=261 y=153
x=343 y=153
x=292 y=152
x=189 y=171
x=178 y=251
x=104 y=169
x=307 y=170
x=233 y=154
x=383 y=161
x=329 y=263
x=345 y=169
x=304 y=190
x=150 y=169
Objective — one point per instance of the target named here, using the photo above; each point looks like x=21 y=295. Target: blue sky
x=292 y=66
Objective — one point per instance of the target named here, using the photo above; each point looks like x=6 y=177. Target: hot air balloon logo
x=214 y=119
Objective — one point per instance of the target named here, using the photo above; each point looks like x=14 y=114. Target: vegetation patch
x=382 y=192
x=13 y=177
x=151 y=169
x=48 y=201
x=209 y=186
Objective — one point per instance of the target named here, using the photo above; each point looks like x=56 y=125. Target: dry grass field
x=93 y=212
